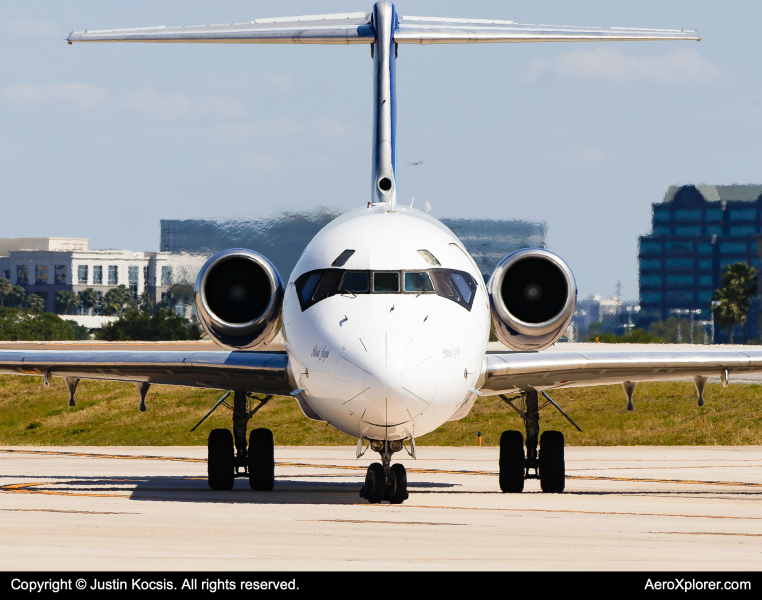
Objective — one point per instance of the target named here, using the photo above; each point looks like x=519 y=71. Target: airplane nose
x=387 y=378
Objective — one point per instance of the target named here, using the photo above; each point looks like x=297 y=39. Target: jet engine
x=532 y=297
x=239 y=295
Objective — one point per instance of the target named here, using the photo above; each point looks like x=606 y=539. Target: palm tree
x=35 y=303
x=67 y=301
x=88 y=299
x=146 y=302
x=5 y=290
x=16 y=298
x=116 y=300
x=738 y=285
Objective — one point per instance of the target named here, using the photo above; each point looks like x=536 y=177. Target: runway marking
x=116 y=456
x=706 y=533
x=362 y=468
x=379 y=522
x=664 y=468
x=27 y=488
x=79 y=512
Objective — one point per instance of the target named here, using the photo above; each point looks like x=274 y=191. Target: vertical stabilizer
x=384 y=171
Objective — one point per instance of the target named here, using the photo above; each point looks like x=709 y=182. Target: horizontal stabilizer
x=435 y=30
x=344 y=28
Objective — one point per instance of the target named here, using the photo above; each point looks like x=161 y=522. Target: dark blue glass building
x=697 y=231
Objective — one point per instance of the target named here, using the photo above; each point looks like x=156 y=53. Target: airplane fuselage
x=388 y=341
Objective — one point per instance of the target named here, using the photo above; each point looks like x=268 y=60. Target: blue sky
x=103 y=140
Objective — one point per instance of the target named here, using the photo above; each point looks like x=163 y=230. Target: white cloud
x=611 y=64
x=332 y=127
x=263 y=161
x=276 y=81
x=166 y=106
x=81 y=95
x=172 y=106
x=29 y=29
x=274 y=128
x=588 y=155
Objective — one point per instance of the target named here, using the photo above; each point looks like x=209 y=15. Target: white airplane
x=386 y=317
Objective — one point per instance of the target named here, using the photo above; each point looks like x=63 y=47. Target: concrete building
x=45 y=266
x=282 y=238
x=697 y=231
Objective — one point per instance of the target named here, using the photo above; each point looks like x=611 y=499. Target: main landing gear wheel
x=261 y=460
x=552 y=466
x=221 y=460
x=512 y=462
x=375 y=484
x=396 y=485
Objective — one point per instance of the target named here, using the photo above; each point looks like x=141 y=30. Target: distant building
x=488 y=241
x=45 y=266
x=282 y=238
x=697 y=231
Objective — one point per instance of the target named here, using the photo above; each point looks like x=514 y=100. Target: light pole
x=629 y=310
x=678 y=312
x=694 y=312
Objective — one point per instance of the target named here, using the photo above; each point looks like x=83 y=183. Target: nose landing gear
x=385 y=481
x=547 y=463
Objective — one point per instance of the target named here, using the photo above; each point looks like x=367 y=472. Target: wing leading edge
x=357 y=28
x=509 y=372
x=257 y=372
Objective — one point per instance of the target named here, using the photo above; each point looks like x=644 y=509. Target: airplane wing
x=257 y=372
x=344 y=28
x=515 y=371
x=434 y=30
x=356 y=28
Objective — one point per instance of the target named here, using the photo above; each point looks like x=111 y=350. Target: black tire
x=220 y=463
x=261 y=460
x=512 y=462
x=398 y=473
x=552 y=466
x=375 y=483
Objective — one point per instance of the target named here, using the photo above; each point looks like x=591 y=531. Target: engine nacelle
x=532 y=297
x=239 y=296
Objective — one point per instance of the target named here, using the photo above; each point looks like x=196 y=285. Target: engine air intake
x=239 y=295
x=532 y=299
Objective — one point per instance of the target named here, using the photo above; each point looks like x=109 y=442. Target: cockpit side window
x=308 y=284
x=328 y=285
x=457 y=286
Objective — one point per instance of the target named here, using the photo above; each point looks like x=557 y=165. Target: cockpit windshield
x=315 y=286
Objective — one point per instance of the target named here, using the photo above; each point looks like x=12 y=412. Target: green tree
x=16 y=297
x=730 y=303
x=5 y=288
x=88 y=299
x=67 y=301
x=146 y=302
x=164 y=324
x=636 y=336
x=35 y=303
x=181 y=292
x=116 y=301
x=16 y=326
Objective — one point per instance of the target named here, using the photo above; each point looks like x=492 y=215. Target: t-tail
x=384 y=30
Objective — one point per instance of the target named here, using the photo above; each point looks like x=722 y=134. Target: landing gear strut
x=229 y=456
x=385 y=481
x=547 y=462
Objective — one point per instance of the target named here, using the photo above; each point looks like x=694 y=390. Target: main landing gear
x=230 y=458
x=547 y=463
x=384 y=481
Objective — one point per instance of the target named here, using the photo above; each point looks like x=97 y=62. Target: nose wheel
x=384 y=482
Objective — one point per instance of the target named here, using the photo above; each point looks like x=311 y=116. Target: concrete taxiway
x=659 y=508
